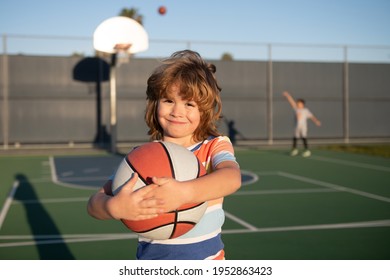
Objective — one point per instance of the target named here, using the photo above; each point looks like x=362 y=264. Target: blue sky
x=335 y=22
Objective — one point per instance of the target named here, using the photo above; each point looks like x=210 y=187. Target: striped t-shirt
x=204 y=240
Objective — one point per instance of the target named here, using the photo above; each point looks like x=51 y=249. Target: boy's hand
x=286 y=94
x=171 y=192
x=137 y=205
x=316 y=121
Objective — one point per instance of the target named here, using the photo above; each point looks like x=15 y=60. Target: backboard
x=120 y=34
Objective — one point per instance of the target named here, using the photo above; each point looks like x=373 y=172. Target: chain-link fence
x=50 y=94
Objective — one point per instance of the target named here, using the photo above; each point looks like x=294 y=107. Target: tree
x=227 y=56
x=132 y=13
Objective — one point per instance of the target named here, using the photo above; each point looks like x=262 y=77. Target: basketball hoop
x=122 y=46
x=121 y=33
x=120 y=37
x=122 y=53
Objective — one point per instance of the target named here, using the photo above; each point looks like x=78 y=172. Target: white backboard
x=120 y=31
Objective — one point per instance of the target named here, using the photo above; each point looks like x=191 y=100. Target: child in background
x=301 y=115
x=183 y=107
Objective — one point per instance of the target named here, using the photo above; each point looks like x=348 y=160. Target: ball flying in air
x=162 y=10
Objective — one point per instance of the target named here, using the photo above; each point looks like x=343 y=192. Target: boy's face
x=179 y=118
x=300 y=105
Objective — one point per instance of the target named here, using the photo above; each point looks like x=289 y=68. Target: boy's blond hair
x=196 y=81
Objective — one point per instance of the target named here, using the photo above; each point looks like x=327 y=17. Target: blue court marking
x=94 y=171
x=84 y=172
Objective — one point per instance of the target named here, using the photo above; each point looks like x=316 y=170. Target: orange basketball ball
x=162 y=10
x=162 y=159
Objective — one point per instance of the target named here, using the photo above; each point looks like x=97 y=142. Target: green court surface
x=333 y=205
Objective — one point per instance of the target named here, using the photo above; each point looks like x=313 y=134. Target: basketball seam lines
x=198 y=161
x=136 y=171
x=169 y=159
x=173 y=223
x=173 y=176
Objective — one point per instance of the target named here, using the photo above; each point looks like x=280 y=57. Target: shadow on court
x=42 y=225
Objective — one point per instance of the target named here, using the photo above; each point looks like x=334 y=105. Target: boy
x=183 y=107
x=301 y=115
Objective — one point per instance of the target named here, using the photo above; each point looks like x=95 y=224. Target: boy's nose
x=177 y=110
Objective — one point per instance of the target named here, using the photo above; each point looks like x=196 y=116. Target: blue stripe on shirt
x=194 y=251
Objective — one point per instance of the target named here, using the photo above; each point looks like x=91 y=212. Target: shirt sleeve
x=222 y=151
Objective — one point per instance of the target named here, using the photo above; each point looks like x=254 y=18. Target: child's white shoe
x=294 y=152
x=306 y=153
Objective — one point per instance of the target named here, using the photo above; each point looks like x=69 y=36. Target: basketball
x=162 y=10
x=161 y=159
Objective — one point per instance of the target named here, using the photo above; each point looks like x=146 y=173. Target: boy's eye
x=191 y=104
x=165 y=100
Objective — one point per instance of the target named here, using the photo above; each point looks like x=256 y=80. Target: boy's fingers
x=145 y=217
x=131 y=182
x=160 y=180
x=146 y=196
x=148 y=212
x=151 y=203
x=144 y=191
x=149 y=192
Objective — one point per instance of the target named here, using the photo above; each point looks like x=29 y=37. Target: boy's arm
x=225 y=180
x=315 y=120
x=126 y=204
x=290 y=99
x=97 y=206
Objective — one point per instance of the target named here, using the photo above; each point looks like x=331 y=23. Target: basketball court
x=333 y=205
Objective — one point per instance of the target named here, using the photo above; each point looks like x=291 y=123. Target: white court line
x=240 y=221
x=334 y=186
x=69 y=179
x=51 y=200
x=84 y=179
x=67 y=174
x=107 y=237
x=72 y=240
x=367 y=224
x=54 y=177
x=66 y=236
x=254 y=176
x=351 y=163
x=282 y=191
x=8 y=202
x=239 y=193
x=267 y=173
x=91 y=170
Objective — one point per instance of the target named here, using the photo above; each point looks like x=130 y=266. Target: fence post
x=113 y=111
x=270 y=96
x=346 y=96
x=5 y=110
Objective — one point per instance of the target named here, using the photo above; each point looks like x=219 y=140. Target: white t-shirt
x=301 y=116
